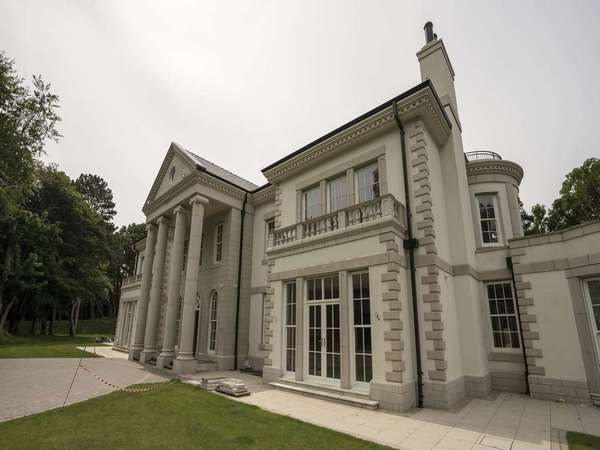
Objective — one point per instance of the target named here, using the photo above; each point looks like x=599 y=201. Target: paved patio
x=503 y=421
x=32 y=385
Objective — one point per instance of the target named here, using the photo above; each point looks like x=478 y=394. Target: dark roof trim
x=423 y=85
x=201 y=168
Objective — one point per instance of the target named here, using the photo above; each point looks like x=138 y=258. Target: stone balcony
x=381 y=209
x=132 y=280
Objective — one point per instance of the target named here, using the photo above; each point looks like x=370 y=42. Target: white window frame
x=219 y=247
x=362 y=385
x=290 y=328
x=213 y=307
x=305 y=193
x=590 y=309
x=268 y=224
x=342 y=179
x=357 y=172
x=494 y=197
x=493 y=347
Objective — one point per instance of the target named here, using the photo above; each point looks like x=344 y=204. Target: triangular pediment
x=176 y=166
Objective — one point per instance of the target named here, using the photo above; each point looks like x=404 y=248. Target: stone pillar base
x=397 y=397
x=164 y=359
x=181 y=366
x=134 y=354
x=443 y=395
x=146 y=355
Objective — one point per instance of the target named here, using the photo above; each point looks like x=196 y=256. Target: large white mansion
x=379 y=263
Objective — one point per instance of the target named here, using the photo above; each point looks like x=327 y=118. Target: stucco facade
x=380 y=262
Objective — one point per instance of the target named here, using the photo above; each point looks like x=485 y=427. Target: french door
x=324 y=341
x=322 y=318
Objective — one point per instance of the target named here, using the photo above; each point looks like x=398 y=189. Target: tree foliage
x=59 y=252
x=97 y=193
x=579 y=202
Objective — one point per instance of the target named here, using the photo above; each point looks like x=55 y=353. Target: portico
x=186 y=309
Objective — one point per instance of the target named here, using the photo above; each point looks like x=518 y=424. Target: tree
x=97 y=193
x=28 y=119
x=579 y=199
x=579 y=202
x=80 y=272
x=539 y=220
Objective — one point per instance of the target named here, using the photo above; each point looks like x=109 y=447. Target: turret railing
x=482 y=154
x=350 y=216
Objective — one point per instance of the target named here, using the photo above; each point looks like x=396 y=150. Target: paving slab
x=32 y=385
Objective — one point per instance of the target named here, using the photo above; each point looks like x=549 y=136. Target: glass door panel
x=332 y=343
x=314 y=340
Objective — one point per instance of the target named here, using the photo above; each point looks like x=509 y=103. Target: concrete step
x=207 y=366
x=326 y=393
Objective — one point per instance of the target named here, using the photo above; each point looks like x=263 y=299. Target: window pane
x=312 y=202
x=337 y=193
x=327 y=293
x=502 y=315
x=356 y=286
x=318 y=289
x=336 y=288
x=367 y=181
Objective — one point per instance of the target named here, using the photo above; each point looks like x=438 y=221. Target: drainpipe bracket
x=410 y=243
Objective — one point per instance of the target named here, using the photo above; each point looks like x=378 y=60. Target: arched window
x=212 y=323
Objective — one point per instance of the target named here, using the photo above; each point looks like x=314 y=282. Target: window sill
x=491 y=248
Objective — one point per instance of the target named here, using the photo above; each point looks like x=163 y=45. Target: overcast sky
x=244 y=83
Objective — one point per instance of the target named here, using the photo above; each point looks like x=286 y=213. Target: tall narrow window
x=290 y=326
x=367 y=183
x=336 y=193
x=212 y=323
x=219 y=242
x=311 y=203
x=186 y=246
x=503 y=316
x=593 y=291
x=361 y=305
x=262 y=318
x=178 y=322
x=269 y=230
x=488 y=219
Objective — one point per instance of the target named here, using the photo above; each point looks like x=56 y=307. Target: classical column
x=186 y=361
x=154 y=303
x=142 y=304
x=300 y=330
x=175 y=266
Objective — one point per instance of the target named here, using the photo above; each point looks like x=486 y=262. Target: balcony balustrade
x=348 y=217
x=132 y=280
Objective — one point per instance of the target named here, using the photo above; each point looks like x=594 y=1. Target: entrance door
x=324 y=341
x=323 y=314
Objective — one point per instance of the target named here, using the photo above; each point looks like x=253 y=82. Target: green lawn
x=580 y=441
x=36 y=346
x=173 y=415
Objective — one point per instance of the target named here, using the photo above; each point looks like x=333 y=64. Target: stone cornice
x=496 y=167
x=264 y=195
x=421 y=104
x=199 y=178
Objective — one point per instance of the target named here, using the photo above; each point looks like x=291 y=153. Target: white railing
x=132 y=279
x=320 y=225
x=350 y=216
